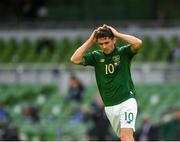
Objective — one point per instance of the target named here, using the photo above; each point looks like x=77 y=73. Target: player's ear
x=96 y=40
x=114 y=40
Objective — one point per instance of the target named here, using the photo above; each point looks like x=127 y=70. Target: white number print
x=109 y=69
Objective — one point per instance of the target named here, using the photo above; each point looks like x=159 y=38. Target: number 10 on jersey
x=109 y=69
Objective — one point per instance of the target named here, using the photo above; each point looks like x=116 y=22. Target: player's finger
x=110 y=27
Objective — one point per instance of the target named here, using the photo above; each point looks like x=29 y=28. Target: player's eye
x=106 y=42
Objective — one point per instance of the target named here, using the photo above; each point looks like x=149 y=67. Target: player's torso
x=112 y=65
x=113 y=76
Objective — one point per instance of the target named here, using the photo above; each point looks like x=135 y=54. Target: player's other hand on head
x=114 y=31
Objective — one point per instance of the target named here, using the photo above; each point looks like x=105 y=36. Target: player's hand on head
x=114 y=31
x=92 y=38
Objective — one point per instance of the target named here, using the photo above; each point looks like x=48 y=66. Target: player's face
x=106 y=44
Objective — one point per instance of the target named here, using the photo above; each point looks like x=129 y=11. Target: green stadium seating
x=55 y=112
x=77 y=43
x=26 y=51
x=7 y=55
x=64 y=46
x=156 y=99
x=102 y=10
x=23 y=50
x=31 y=56
x=2 y=47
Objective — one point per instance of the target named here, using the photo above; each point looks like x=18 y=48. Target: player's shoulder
x=124 y=46
x=97 y=52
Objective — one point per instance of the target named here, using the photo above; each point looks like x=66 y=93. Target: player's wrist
x=90 y=42
x=118 y=34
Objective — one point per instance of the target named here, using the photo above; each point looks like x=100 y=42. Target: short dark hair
x=103 y=32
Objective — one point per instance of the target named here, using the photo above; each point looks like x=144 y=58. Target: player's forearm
x=134 y=41
x=78 y=54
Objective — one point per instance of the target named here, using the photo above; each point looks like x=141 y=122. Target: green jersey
x=113 y=74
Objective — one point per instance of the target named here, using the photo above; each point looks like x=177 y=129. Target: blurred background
x=44 y=97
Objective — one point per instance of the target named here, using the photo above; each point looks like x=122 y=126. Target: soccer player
x=112 y=70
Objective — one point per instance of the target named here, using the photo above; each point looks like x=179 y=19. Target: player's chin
x=107 y=51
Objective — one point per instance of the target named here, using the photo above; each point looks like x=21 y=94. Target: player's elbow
x=138 y=44
x=74 y=61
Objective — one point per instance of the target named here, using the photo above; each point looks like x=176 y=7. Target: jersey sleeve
x=128 y=50
x=88 y=59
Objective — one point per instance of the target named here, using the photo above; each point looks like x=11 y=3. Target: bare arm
x=78 y=54
x=134 y=41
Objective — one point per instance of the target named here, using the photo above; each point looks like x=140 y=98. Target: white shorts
x=122 y=115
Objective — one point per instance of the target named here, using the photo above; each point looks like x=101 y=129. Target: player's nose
x=104 y=46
